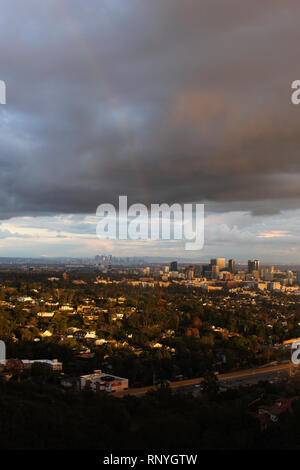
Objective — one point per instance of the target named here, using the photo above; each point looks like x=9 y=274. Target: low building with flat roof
x=100 y=381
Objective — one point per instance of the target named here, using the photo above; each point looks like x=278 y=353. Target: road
x=242 y=377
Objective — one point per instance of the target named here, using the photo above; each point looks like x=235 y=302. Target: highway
x=242 y=377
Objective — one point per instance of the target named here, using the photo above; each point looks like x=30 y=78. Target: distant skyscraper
x=190 y=272
x=231 y=266
x=220 y=262
x=256 y=265
x=215 y=271
x=290 y=276
x=174 y=266
x=253 y=265
x=198 y=269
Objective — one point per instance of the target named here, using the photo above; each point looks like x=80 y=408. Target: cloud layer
x=161 y=100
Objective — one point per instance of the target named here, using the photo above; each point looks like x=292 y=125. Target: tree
x=211 y=384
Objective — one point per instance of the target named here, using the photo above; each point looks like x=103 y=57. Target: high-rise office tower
x=174 y=266
x=198 y=269
x=190 y=272
x=220 y=262
x=215 y=271
x=290 y=276
x=253 y=265
x=250 y=266
x=231 y=266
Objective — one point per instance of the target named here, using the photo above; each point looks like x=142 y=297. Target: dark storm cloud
x=162 y=100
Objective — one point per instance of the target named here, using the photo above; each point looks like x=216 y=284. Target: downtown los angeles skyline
x=164 y=101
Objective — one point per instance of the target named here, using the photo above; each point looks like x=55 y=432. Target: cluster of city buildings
x=219 y=274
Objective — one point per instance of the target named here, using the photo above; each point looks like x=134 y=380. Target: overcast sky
x=161 y=100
